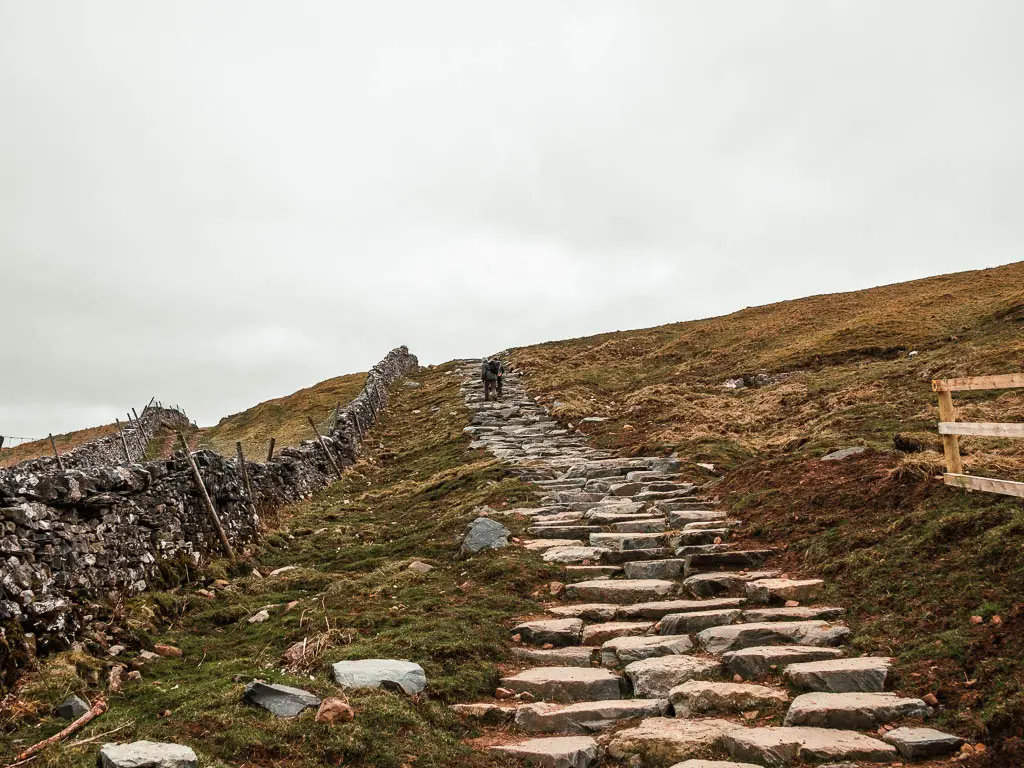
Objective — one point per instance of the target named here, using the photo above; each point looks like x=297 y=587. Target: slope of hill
x=916 y=559
x=283 y=418
x=65 y=442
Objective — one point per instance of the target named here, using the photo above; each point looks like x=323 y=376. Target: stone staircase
x=673 y=640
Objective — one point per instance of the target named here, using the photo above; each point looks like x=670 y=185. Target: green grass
x=406 y=500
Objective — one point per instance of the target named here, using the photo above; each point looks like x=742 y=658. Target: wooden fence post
x=245 y=474
x=270 y=452
x=950 y=443
x=56 y=453
x=207 y=501
x=1 y=442
x=323 y=444
x=124 y=443
x=138 y=437
x=359 y=427
x=145 y=432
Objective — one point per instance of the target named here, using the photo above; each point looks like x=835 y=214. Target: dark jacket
x=487 y=374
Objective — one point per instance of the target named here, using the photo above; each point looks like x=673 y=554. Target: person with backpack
x=492 y=372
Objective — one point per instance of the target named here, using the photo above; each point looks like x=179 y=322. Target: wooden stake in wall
x=270 y=452
x=207 y=501
x=145 y=432
x=56 y=453
x=124 y=443
x=138 y=436
x=323 y=444
x=359 y=427
x=245 y=474
x=1 y=442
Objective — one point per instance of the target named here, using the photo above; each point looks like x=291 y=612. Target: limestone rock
x=702 y=697
x=775 y=746
x=796 y=613
x=670 y=568
x=572 y=656
x=484 y=533
x=574 y=554
x=625 y=591
x=626 y=650
x=392 y=674
x=624 y=542
x=486 y=714
x=852 y=710
x=713 y=764
x=419 y=567
x=781 y=590
x=586 y=716
x=147 y=754
x=865 y=673
x=558 y=632
x=922 y=743
x=72 y=708
x=697 y=621
x=660 y=608
x=596 y=634
x=656 y=677
x=761 y=661
x=844 y=453
x=664 y=740
x=557 y=752
x=279 y=700
x=565 y=684
x=587 y=611
x=736 y=636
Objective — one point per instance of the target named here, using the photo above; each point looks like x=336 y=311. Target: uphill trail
x=670 y=640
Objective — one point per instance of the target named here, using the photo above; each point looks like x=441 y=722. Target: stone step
x=740 y=558
x=612 y=517
x=584 y=572
x=780 y=590
x=558 y=632
x=662 y=741
x=718 y=640
x=655 y=677
x=585 y=716
x=624 y=591
x=575 y=554
x=704 y=536
x=670 y=568
x=681 y=518
x=597 y=634
x=635 y=555
x=543 y=545
x=697 y=621
x=677 y=495
x=557 y=752
x=565 y=685
x=783 y=746
x=621 y=651
x=643 y=525
x=629 y=541
x=765 y=660
x=658 y=609
x=865 y=674
x=587 y=611
x=570 y=656
x=721 y=582
x=922 y=743
x=577 y=532
x=649 y=476
x=853 y=711
x=705 y=524
x=703 y=697
x=485 y=713
x=800 y=613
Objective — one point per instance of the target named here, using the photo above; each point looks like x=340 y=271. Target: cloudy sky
x=221 y=202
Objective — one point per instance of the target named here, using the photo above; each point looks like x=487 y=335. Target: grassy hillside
x=916 y=560
x=283 y=418
x=413 y=491
x=65 y=442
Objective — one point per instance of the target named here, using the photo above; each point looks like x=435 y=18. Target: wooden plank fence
x=951 y=429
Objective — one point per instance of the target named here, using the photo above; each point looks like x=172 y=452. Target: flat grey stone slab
x=587 y=611
x=585 y=716
x=625 y=650
x=697 y=621
x=800 y=613
x=485 y=713
x=658 y=609
x=574 y=554
x=279 y=700
x=565 y=684
x=719 y=640
x=737 y=558
x=765 y=660
x=546 y=544
x=575 y=573
x=621 y=591
x=864 y=673
x=656 y=677
x=781 y=590
x=147 y=754
x=670 y=568
x=775 y=746
x=632 y=555
x=572 y=656
x=645 y=525
x=922 y=743
x=698 y=697
x=596 y=634
x=844 y=453
x=852 y=710
x=664 y=740
x=574 y=532
x=73 y=707
x=716 y=584
x=557 y=752
x=392 y=674
x=623 y=542
x=555 y=631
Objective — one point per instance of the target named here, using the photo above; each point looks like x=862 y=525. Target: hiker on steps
x=492 y=372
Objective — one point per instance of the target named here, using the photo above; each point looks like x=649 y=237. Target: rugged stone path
x=674 y=643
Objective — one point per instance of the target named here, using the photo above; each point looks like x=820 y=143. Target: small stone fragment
x=334 y=710
x=73 y=707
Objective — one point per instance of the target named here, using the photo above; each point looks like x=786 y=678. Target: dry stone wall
x=72 y=539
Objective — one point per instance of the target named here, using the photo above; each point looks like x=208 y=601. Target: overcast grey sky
x=221 y=202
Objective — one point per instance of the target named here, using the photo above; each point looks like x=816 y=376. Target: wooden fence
x=951 y=429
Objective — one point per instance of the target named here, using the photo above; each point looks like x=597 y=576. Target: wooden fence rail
x=951 y=429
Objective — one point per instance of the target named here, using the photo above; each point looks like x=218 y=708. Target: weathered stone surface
x=544 y=545
x=586 y=716
x=660 y=608
x=704 y=696
x=417 y=566
x=588 y=611
x=625 y=650
x=147 y=754
x=557 y=752
x=596 y=634
x=733 y=558
x=670 y=568
x=573 y=532
x=656 y=677
x=486 y=714
x=624 y=542
x=484 y=533
x=565 y=684
x=800 y=613
x=72 y=708
x=736 y=636
x=643 y=525
x=696 y=621
x=715 y=584
x=844 y=453
x=587 y=572
x=681 y=518
x=781 y=746
x=852 y=710
x=922 y=743
x=762 y=661
x=555 y=631
x=625 y=591
x=392 y=674
x=781 y=590
x=663 y=740
x=866 y=673
x=713 y=764
x=618 y=557
x=562 y=554
x=279 y=700
x=573 y=656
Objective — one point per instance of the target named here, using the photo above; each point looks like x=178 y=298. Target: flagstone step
x=616 y=557
x=576 y=532
x=704 y=536
x=718 y=640
x=704 y=525
x=622 y=542
x=565 y=685
x=585 y=716
x=697 y=621
x=657 y=676
x=781 y=590
x=670 y=568
x=658 y=609
x=585 y=572
x=557 y=752
x=642 y=525
x=587 y=611
x=853 y=711
x=621 y=651
x=737 y=558
x=620 y=591
x=765 y=660
x=800 y=613
x=778 y=746
x=702 y=697
x=569 y=656
x=721 y=582
x=558 y=632
x=661 y=741
x=545 y=545
x=596 y=634
x=922 y=743
x=574 y=554
x=865 y=673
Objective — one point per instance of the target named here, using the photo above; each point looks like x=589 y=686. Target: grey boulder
x=147 y=754
x=279 y=700
x=392 y=674
x=484 y=533
x=73 y=707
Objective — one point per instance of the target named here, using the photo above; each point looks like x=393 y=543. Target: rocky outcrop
x=73 y=537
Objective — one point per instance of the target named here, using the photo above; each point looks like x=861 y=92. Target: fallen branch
x=97 y=709
x=92 y=739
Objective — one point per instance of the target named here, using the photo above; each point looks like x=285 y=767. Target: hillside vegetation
x=916 y=560
x=65 y=442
